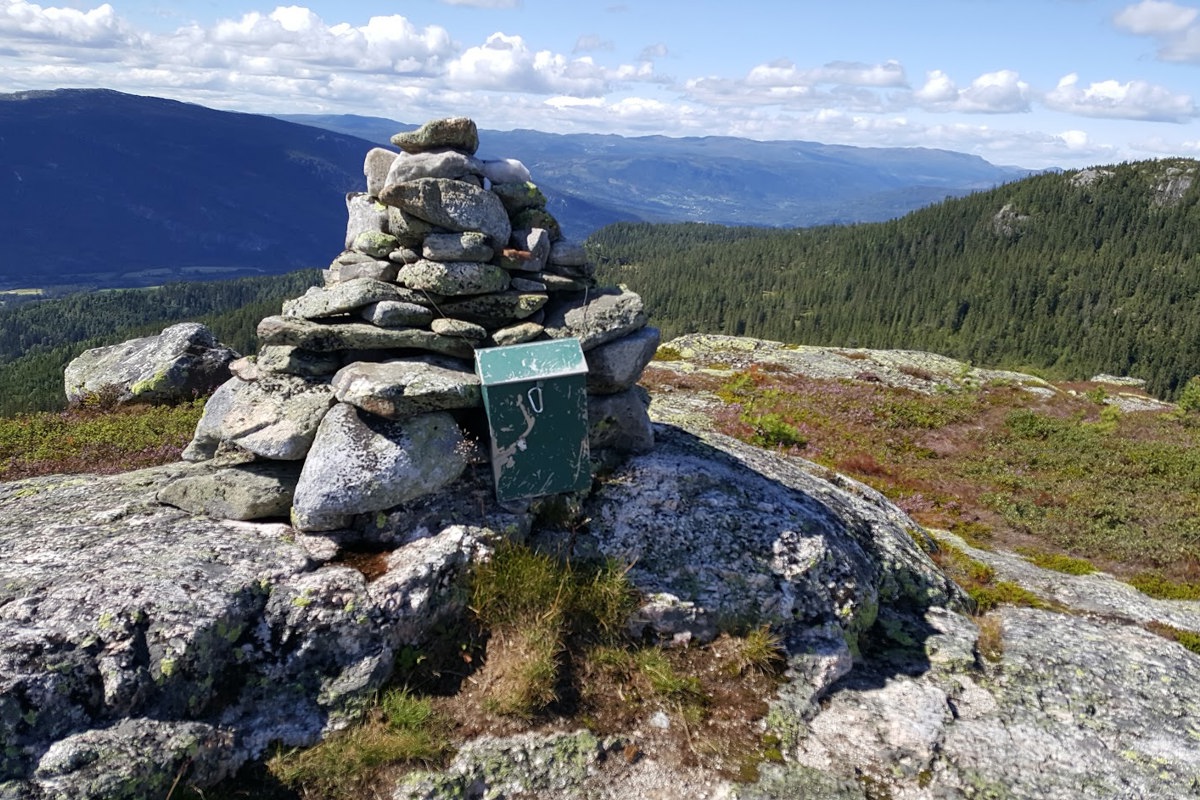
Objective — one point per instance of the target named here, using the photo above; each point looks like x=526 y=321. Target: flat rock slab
x=432 y=164
x=349 y=295
x=597 y=318
x=404 y=388
x=469 y=246
x=495 y=310
x=453 y=278
x=356 y=336
x=250 y=491
x=458 y=133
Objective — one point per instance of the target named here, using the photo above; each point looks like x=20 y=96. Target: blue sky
x=1031 y=83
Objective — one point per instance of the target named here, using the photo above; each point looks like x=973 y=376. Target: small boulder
x=453 y=205
x=433 y=164
x=273 y=417
x=364 y=214
x=458 y=133
x=248 y=491
x=454 y=277
x=360 y=463
x=467 y=246
x=519 y=196
x=376 y=166
x=181 y=363
x=620 y=423
x=505 y=170
x=616 y=366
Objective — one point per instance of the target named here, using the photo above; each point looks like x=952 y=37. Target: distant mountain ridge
x=719 y=179
x=101 y=188
x=98 y=186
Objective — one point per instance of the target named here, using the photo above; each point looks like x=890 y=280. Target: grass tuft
x=401 y=728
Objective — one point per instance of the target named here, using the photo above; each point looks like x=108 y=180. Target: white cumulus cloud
x=1155 y=17
x=1131 y=100
x=506 y=63
x=1175 y=28
x=1000 y=92
x=99 y=26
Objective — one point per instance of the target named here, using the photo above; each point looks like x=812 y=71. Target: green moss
x=1155 y=585
x=1057 y=562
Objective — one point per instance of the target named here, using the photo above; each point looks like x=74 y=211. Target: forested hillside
x=1070 y=274
x=39 y=338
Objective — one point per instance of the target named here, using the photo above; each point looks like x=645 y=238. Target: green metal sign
x=535 y=395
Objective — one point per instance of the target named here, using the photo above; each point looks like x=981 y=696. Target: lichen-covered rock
x=460 y=328
x=453 y=278
x=519 y=196
x=791 y=549
x=616 y=366
x=409 y=230
x=455 y=205
x=1071 y=707
x=329 y=301
x=133 y=759
x=458 y=133
x=274 y=417
x=404 y=388
x=517 y=334
x=606 y=315
x=181 y=363
x=296 y=361
x=360 y=463
x=364 y=215
x=396 y=313
x=377 y=244
x=495 y=310
x=326 y=338
x=467 y=246
x=538 y=218
x=371 y=268
x=511 y=766
x=247 y=491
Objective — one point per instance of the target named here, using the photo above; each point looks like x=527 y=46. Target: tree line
x=1066 y=274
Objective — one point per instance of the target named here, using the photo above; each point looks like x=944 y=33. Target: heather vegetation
x=1065 y=479
x=1065 y=274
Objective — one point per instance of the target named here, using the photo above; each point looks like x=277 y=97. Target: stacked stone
x=357 y=400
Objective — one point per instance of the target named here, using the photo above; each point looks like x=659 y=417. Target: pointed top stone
x=458 y=133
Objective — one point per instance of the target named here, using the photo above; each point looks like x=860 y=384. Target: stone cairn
x=363 y=396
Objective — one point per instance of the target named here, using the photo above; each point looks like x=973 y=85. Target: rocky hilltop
x=169 y=625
